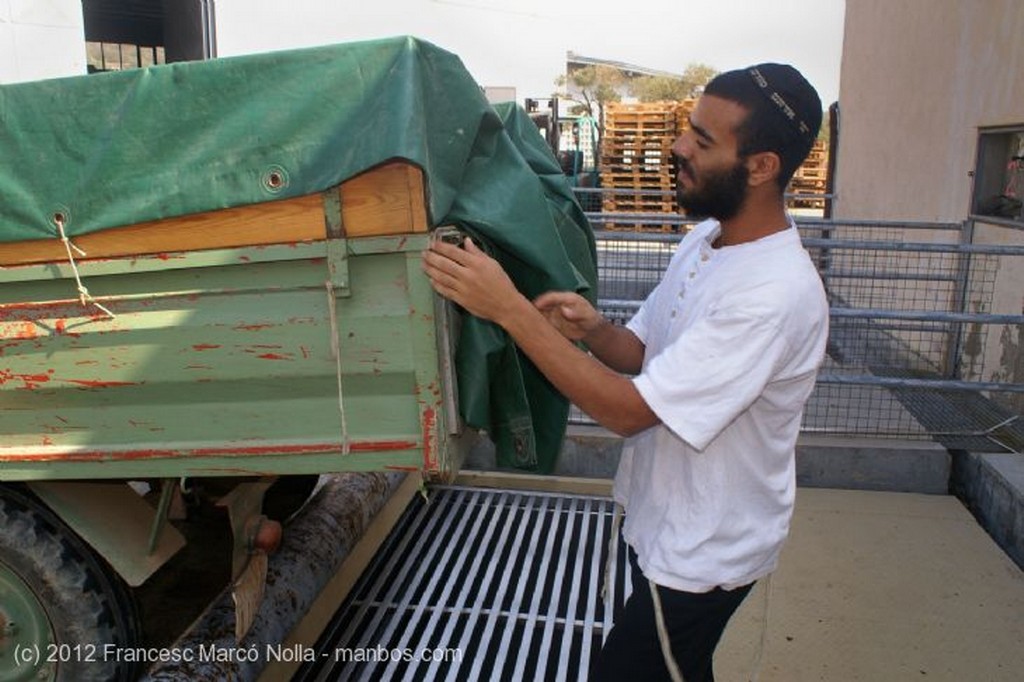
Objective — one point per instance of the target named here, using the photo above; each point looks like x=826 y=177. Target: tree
x=661 y=88
x=696 y=76
x=595 y=84
x=675 y=88
x=658 y=88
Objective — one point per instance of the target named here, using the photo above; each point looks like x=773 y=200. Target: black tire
x=89 y=608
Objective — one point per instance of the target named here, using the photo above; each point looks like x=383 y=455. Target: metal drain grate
x=480 y=585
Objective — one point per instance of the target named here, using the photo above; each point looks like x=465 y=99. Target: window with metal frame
x=999 y=175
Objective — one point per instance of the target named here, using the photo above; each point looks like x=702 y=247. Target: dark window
x=999 y=174
x=126 y=34
x=118 y=56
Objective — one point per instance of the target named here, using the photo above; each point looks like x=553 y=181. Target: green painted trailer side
x=86 y=155
x=244 y=361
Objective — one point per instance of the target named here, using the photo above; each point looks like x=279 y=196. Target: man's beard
x=719 y=194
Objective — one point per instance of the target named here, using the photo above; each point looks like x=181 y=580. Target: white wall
x=41 y=39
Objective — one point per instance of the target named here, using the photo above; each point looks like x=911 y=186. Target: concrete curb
x=821 y=461
x=991 y=484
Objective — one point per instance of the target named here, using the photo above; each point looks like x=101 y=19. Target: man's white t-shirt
x=733 y=340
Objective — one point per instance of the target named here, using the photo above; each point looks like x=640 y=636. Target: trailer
x=210 y=272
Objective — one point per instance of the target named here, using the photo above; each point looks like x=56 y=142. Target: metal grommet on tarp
x=274 y=179
x=59 y=219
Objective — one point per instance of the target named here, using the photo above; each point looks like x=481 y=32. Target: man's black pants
x=694 y=621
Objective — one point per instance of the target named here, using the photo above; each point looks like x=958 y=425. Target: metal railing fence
x=912 y=326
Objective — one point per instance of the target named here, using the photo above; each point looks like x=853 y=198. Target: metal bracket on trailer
x=337 y=244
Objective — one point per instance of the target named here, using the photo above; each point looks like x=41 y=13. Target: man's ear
x=764 y=167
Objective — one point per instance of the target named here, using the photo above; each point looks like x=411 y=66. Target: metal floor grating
x=512 y=580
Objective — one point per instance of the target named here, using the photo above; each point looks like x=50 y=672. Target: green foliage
x=658 y=88
x=596 y=85
x=696 y=76
x=662 y=88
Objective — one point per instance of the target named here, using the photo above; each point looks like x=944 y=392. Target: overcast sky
x=523 y=43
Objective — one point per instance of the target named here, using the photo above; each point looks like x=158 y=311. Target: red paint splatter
x=61 y=326
x=29 y=381
x=225 y=451
x=429 y=427
x=251 y=327
x=382 y=445
x=273 y=356
x=26 y=330
x=205 y=346
x=96 y=383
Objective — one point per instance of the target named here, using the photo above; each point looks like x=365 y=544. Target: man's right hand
x=577 y=320
x=571 y=314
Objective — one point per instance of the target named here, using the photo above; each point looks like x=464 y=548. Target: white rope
x=336 y=351
x=759 y=654
x=666 y=644
x=83 y=294
x=607 y=589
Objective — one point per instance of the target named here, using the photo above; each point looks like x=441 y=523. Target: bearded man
x=707 y=381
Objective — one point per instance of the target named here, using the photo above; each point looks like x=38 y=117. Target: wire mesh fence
x=916 y=350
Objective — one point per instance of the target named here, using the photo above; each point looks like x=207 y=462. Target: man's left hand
x=471 y=278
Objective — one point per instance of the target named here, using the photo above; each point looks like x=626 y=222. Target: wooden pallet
x=805 y=173
x=633 y=135
x=610 y=210
x=631 y=132
x=655 y=158
x=638 y=180
x=640 y=108
x=632 y=145
x=640 y=227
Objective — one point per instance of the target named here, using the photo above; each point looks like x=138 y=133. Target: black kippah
x=791 y=94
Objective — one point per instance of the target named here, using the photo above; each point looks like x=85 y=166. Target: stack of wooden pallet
x=810 y=178
x=683 y=110
x=636 y=161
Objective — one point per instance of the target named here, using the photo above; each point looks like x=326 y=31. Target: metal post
x=960 y=303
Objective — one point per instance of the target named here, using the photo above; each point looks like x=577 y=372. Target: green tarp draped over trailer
x=116 y=149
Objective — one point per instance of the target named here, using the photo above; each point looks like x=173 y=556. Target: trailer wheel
x=64 y=615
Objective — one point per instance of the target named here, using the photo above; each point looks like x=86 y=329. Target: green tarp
x=120 y=148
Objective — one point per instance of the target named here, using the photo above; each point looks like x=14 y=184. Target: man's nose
x=682 y=148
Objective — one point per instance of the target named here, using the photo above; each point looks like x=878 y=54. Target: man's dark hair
x=784 y=112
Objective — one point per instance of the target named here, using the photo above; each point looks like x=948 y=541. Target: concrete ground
x=882 y=586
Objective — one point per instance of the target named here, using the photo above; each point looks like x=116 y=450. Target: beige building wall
x=998 y=353
x=41 y=39
x=919 y=78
